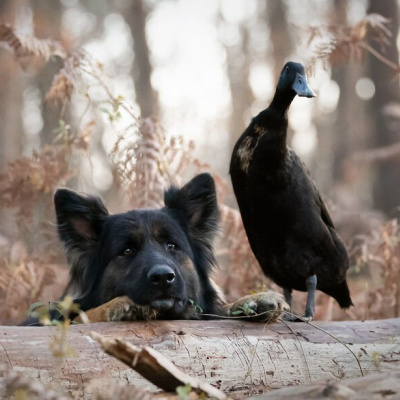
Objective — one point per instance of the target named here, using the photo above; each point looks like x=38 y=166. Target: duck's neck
x=281 y=101
x=274 y=118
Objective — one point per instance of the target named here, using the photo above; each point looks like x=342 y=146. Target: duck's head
x=293 y=77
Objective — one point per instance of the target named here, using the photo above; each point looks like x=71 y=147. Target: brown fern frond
x=239 y=270
x=27 y=262
x=63 y=85
x=351 y=42
x=138 y=163
x=222 y=186
x=27 y=179
x=23 y=277
x=377 y=26
x=70 y=76
x=380 y=252
x=147 y=163
x=151 y=175
x=23 y=45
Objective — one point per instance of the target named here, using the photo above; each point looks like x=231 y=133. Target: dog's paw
x=264 y=306
x=120 y=309
x=124 y=309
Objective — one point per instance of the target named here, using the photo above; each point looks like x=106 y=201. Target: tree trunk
x=240 y=358
x=281 y=40
x=47 y=17
x=146 y=97
x=349 y=129
x=239 y=61
x=11 y=98
x=386 y=190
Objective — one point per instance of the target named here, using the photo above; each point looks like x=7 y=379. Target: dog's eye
x=172 y=246
x=127 y=251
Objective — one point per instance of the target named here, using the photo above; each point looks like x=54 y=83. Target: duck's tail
x=340 y=293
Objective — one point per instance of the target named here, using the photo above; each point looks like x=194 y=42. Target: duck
x=287 y=222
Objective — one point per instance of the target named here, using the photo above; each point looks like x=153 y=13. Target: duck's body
x=287 y=223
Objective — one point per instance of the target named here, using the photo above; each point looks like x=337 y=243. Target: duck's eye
x=127 y=251
x=171 y=246
x=287 y=68
x=300 y=81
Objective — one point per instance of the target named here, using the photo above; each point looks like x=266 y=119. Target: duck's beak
x=301 y=87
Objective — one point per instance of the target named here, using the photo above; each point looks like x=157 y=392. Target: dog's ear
x=80 y=220
x=79 y=217
x=198 y=202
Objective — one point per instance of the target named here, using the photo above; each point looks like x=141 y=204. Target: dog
x=150 y=264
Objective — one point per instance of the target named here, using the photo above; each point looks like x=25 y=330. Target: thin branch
x=109 y=93
x=381 y=154
x=301 y=347
x=380 y=57
x=153 y=366
x=332 y=336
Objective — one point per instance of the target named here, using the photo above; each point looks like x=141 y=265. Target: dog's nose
x=161 y=275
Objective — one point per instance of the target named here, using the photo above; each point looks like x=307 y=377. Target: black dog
x=146 y=264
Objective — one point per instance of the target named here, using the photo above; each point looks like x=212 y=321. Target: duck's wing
x=325 y=216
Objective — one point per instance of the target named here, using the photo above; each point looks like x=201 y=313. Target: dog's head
x=161 y=258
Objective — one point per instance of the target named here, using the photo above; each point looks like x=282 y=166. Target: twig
x=301 y=347
x=332 y=336
x=249 y=369
x=381 y=154
x=380 y=57
x=154 y=367
x=253 y=316
x=108 y=92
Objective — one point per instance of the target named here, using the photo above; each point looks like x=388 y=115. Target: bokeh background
x=122 y=98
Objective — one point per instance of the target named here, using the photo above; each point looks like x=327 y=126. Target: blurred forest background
x=121 y=98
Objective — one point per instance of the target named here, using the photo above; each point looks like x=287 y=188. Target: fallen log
x=239 y=358
x=154 y=367
x=372 y=387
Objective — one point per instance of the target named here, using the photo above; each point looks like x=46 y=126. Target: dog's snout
x=161 y=275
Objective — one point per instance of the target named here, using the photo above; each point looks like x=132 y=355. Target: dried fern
x=27 y=262
x=350 y=42
x=239 y=272
x=63 y=83
x=146 y=163
x=27 y=179
x=26 y=46
x=381 y=251
x=22 y=278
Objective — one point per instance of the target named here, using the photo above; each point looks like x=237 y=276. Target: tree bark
x=136 y=17
x=240 y=358
x=239 y=59
x=47 y=21
x=349 y=131
x=386 y=190
x=372 y=387
x=11 y=96
x=282 y=43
